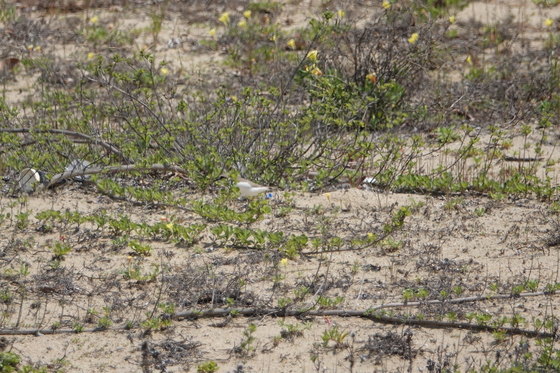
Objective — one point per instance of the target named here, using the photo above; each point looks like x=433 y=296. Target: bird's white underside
x=28 y=177
x=249 y=189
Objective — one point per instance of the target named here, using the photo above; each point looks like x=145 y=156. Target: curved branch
x=363 y=314
x=277 y=312
x=90 y=139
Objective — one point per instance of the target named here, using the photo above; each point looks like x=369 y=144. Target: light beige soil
x=505 y=246
x=448 y=242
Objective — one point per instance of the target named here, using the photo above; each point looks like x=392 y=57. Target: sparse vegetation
x=411 y=152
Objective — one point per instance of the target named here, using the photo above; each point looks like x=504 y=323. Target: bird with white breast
x=247 y=188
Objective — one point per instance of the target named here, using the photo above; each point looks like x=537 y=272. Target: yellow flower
x=90 y=55
x=370 y=236
x=30 y=47
x=94 y=20
x=129 y=258
x=548 y=22
x=316 y=71
x=328 y=195
x=341 y=13
x=38 y=48
x=452 y=19
x=212 y=32
x=371 y=77
x=164 y=71
x=224 y=18
x=291 y=43
x=413 y=38
x=169 y=226
x=284 y=261
x=386 y=5
x=312 y=55
x=242 y=23
x=273 y=38
x=234 y=98
x=469 y=59
x=247 y=14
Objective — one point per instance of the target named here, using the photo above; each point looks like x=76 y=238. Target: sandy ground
x=473 y=243
x=440 y=248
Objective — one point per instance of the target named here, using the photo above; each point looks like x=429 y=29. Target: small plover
x=28 y=177
x=247 y=188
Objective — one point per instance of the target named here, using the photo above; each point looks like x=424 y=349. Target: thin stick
x=90 y=139
x=276 y=312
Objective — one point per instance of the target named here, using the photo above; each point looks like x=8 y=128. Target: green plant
x=246 y=346
x=419 y=293
x=135 y=273
x=140 y=249
x=452 y=203
x=59 y=250
x=78 y=328
x=325 y=302
x=157 y=22
x=480 y=211
x=6 y=296
x=8 y=12
x=207 y=367
x=335 y=335
x=156 y=323
x=9 y=362
x=290 y=331
x=105 y=322
x=22 y=220
x=167 y=308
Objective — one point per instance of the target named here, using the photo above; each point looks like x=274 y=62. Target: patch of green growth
x=265 y=7
x=22 y=220
x=329 y=303
x=246 y=347
x=59 y=250
x=415 y=293
x=140 y=249
x=335 y=335
x=207 y=367
x=105 y=322
x=546 y=3
x=134 y=272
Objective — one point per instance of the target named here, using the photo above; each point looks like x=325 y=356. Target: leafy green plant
x=8 y=12
x=325 y=302
x=78 y=328
x=207 y=367
x=335 y=335
x=140 y=249
x=156 y=323
x=246 y=346
x=291 y=331
x=418 y=293
x=9 y=362
x=22 y=220
x=60 y=249
x=135 y=273
x=105 y=322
